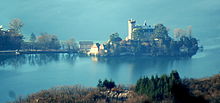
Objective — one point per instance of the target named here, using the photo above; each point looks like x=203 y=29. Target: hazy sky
x=96 y=19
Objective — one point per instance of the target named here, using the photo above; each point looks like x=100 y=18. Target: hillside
x=208 y=88
x=205 y=90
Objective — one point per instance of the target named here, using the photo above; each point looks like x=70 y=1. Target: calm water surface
x=25 y=74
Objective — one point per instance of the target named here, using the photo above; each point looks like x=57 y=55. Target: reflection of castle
x=148 y=29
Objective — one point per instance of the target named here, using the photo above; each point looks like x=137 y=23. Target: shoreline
x=20 y=52
x=16 y=52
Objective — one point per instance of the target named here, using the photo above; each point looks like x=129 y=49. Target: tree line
x=158 y=87
x=167 y=88
x=13 y=39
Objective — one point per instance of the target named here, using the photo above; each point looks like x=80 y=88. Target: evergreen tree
x=160 y=31
x=158 y=87
x=33 y=37
x=108 y=84
x=115 y=37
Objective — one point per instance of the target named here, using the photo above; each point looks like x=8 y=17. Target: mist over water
x=96 y=20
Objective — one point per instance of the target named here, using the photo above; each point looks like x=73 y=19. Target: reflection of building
x=147 y=29
x=85 y=45
x=95 y=59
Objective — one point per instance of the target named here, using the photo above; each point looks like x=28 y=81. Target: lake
x=84 y=20
x=25 y=74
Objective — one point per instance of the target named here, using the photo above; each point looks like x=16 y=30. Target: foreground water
x=25 y=74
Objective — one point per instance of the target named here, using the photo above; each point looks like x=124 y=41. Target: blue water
x=25 y=74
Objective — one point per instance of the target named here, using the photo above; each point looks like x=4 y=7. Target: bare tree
x=48 y=41
x=16 y=25
x=182 y=32
x=71 y=44
x=189 y=30
x=177 y=32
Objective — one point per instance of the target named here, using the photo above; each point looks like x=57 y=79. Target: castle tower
x=131 y=25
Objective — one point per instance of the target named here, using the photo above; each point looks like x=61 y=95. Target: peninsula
x=146 y=40
x=142 y=40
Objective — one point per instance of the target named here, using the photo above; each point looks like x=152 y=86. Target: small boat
x=17 y=52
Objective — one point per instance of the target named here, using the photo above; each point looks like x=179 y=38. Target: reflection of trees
x=12 y=60
x=35 y=59
x=140 y=65
x=69 y=58
x=141 y=62
x=42 y=59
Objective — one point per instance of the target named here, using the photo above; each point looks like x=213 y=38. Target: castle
x=148 y=29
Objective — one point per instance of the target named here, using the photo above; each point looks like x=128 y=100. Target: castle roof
x=86 y=42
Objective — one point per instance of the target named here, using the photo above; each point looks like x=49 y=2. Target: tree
x=189 y=30
x=63 y=44
x=178 y=33
x=140 y=34
x=98 y=45
x=158 y=87
x=9 y=40
x=33 y=37
x=16 y=25
x=115 y=37
x=48 y=41
x=100 y=84
x=71 y=44
x=174 y=75
x=109 y=84
x=160 y=32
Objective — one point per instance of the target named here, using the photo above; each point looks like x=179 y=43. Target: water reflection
x=12 y=94
x=141 y=66
x=135 y=65
x=17 y=61
x=141 y=62
x=12 y=60
x=71 y=69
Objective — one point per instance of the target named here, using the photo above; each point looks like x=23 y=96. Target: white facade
x=131 y=25
x=94 y=50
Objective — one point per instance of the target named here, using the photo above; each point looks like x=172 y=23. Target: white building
x=132 y=26
x=94 y=50
x=85 y=45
